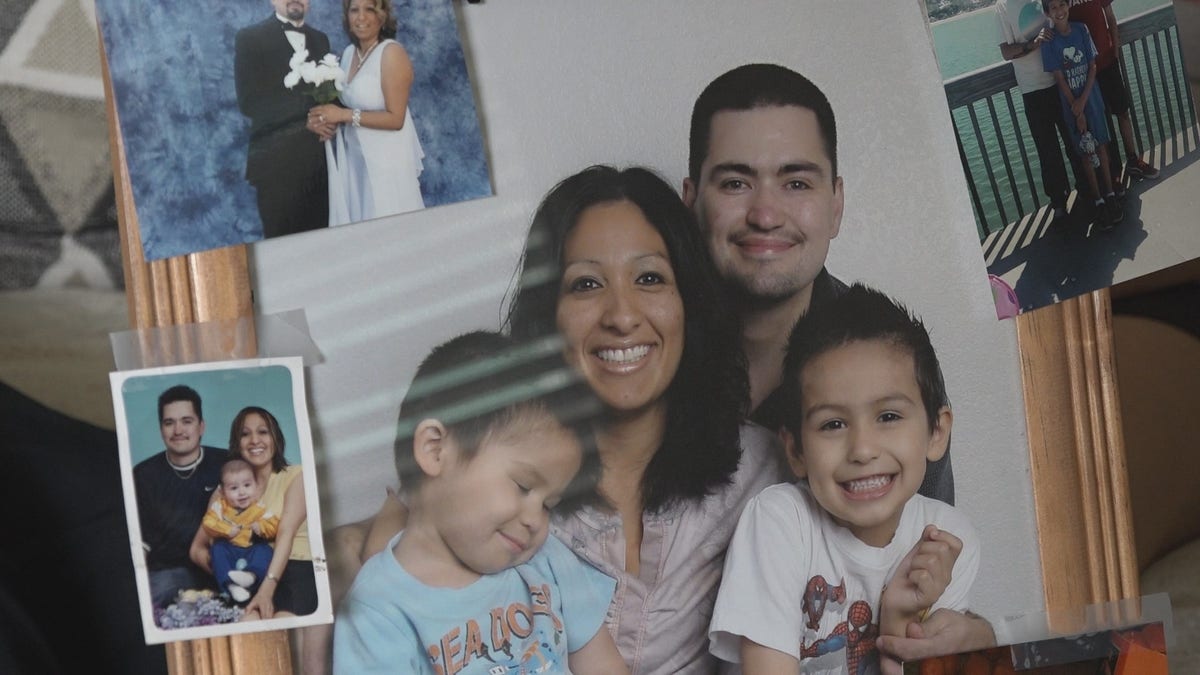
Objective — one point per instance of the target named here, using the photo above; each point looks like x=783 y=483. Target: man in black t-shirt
x=173 y=489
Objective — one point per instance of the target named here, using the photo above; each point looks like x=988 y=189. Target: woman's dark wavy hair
x=709 y=395
x=387 y=25
x=278 y=463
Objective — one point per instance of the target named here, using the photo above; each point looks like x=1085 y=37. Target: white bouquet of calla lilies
x=325 y=77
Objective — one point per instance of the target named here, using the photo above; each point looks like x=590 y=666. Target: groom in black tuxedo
x=285 y=162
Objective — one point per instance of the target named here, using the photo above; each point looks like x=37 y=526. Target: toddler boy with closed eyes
x=474 y=584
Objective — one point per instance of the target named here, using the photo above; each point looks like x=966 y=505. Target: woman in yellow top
x=289 y=588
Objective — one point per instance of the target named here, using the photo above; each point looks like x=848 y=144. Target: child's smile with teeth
x=868 y=484
x=862 y=416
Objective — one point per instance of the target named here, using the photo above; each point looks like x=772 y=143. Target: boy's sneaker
x=1108 y=214
x=1116 y=211
x=1058 y=210
x=1057 y=213
x=1139 y=168
x=1100 y=215
x=238 y=594
x=242 y=578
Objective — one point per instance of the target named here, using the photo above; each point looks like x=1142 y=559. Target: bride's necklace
x=362 y=55
x=185 y=472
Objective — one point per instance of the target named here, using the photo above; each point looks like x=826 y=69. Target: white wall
x=564 y=84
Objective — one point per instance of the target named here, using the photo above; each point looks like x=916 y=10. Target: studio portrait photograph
x=217 y=466
x=250 y=121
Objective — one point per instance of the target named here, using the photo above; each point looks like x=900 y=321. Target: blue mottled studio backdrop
x=171 y=63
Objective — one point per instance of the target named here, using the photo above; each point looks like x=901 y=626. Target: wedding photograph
x=293 y=116
x=216 y=463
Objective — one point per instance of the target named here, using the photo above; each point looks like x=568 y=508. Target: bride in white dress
x=374 y=156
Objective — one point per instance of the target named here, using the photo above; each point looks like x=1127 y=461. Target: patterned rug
x=58 y=223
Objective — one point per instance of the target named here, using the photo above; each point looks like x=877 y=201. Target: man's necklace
x=189 y=469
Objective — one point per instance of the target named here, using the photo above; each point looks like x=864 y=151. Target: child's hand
x=919 y=581
x=255 y=528
x=1077 y=107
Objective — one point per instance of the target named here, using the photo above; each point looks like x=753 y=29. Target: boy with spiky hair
x=850 y=551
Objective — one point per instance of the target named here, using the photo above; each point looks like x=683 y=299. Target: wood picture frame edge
x=207 y=286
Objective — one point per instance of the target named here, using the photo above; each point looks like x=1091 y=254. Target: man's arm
x=147 y=512
x=199 y=551
x=1111 y=17
x=1015 y=50
x=943 y=632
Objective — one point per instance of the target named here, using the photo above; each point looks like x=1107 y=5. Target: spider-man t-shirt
x=799 y=583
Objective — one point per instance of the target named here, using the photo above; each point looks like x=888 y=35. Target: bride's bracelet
x=356 y=117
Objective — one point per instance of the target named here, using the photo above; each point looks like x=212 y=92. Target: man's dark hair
x=860 y=314
x=484 y=382
x=758 y=85
x=180 y=392
x=709 y=394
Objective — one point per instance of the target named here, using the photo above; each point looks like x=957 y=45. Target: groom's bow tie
x=290 y=27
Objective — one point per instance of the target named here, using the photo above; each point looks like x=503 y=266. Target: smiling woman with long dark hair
x=289 y=587
x=615 y=263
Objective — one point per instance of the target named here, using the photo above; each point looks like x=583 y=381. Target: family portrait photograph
x=250 y=121
x=636 y=185
x=220 y=494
